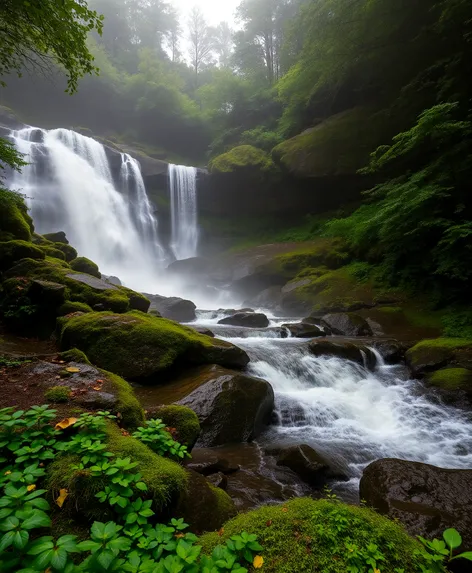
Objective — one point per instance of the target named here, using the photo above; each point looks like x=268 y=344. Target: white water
x=183 y=197
x=351 y=415
x=69 y=187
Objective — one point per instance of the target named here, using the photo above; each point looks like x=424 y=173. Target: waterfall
x=69 y=186
x=183 y=197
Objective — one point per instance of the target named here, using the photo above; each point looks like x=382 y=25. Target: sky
x=214 y=10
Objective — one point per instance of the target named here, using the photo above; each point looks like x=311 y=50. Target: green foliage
x=32 y=32
x=243 y=157
x=155 y=435
x=15 y=223
x=57 y=394
x=132 y=543
x=84 y=265
x=439 y=552
x=53 y=252
x=13 y=251
x=9 y=156
x=457 y=323
x=182 y=421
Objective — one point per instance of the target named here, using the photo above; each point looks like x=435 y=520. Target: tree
x=201 y=41
x=223 y=44
x=36 y=34
x=173 y=37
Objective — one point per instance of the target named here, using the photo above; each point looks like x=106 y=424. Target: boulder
x=47 y=294
x=392 y=351
x=92 y=281
x=205 y=331
x=246 y=319
x=430 y=355
x=84 y=265
x=269 y=298
x=183 y=422
x=312 y=468
x=343 y=349
x=112 y=280
x=59 y=237
x=208 y=461
x=139 y=346
x=173 y=308
x=454 y=385
x=12 y=251
x=425 y=498
x=218 y=480
x=232 y=407
x=304 y=330
x=347 y=324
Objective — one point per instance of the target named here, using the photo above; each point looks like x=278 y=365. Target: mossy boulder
x=347 y=324
x=84 y=265
x=58 y=237
x=183 y=420
x=50 y=251
x=69 y=252
x=70 y=307
x=139 y=346
x=13 y=251
x=430 y=355
x=338 y=146
x=308 y=535
x=453 y=384
x=244 y=158
x=15 y=223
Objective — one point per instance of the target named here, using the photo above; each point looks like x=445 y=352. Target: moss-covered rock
x=59 y=237
x=308 y=535
x=84 y=265
x=140 y=346
x=15 y=223
x=13 y=251
x=69 y=252
x=431 y=355
x=70 y=307
x=338 y=146
x=74 y=355
x=183 y=419
x=244 y=158
x=453 y=384
x=50 y=251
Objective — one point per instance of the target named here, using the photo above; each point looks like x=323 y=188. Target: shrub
x=57 y=394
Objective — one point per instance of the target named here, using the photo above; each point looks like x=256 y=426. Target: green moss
x=390 y=309
x=132 y=345
x=443 y=344
x=59 y=237
x=69 y=307
x=242 y=158
x=74 y=355
x=51 y=251
x=166 y=480
x=184 y=420
x=308 y=535
x=84 y=265
x=57 y=394
x=340 y=145
x=15 y=223
x=452 y=379
x=69 y=252
x=132 y=414
x=13 y=251
x=435 y=353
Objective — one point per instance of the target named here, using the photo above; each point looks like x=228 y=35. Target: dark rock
x=453 y=385
x=113 y=280
x=346 y=350
x=138 y=302
x=47 y=293
x=99 y=401
x=347 y=324
x=218 y=480
x=425 y=498
x=99 y=307
x=194 y=504
x=269 y=298
x=392 y=351
x=93 y=282
x=303 y=330
x=231 y=406
x=430 y=355
x=173 y=308
x=312 y=468
x=248 y=319
x=207 y=461
x=59 y=237
x=203 y=330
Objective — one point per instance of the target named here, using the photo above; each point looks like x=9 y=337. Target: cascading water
x=183 y=197
x=69 y=186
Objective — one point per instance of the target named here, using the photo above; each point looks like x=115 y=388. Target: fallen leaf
x=269 y=523
x=63 y=494
x=376 y=570
x=221 y=531
x=258 y=562
x=66 y=423
x=99 y=381
x=31 y=487
x=72 y=369
x=285 y=509
x=97 y=388
x=7 y=473
x=179 y=535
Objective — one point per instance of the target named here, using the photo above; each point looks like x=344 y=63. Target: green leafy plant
x=439 y=552
x=155 y=435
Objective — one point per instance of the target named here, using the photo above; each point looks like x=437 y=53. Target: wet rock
x=453 y=385
x=59 y=237
x=231 y=406
x=347 y=324
x=247 y=319
x=425 y=498
x=93 y=282
x=173 y=308
x=392 y=351
x=207 y=461
x=47 y=294
x=113 y=280
x=343 y=349
x=218 y=480
x=205 y=331
x=304 y=330
x=312 y=468
x=430 y=355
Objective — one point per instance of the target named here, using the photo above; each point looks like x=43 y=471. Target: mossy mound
x=183 y=419
x=139 y=346
x=74 y=355
x=15 y=223
x=84 y=265
x=50 y=251
x=431 y=355
x=128 y=406
x=12 y=251
x=70 y=307
x=338 y=146
x=166 y=480
x=451 y=379
x=308 y=535
x=59 y=237
x=69 y=252
x=244 y=158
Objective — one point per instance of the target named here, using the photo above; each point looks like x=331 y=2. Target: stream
x=348 y=414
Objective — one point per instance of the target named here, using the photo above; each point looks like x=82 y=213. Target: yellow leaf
x=31 y=487
x=258 y=562
x=72 y=369
x=66 y=423
x=376 y=570
x=63 y=494
x=7 y=473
